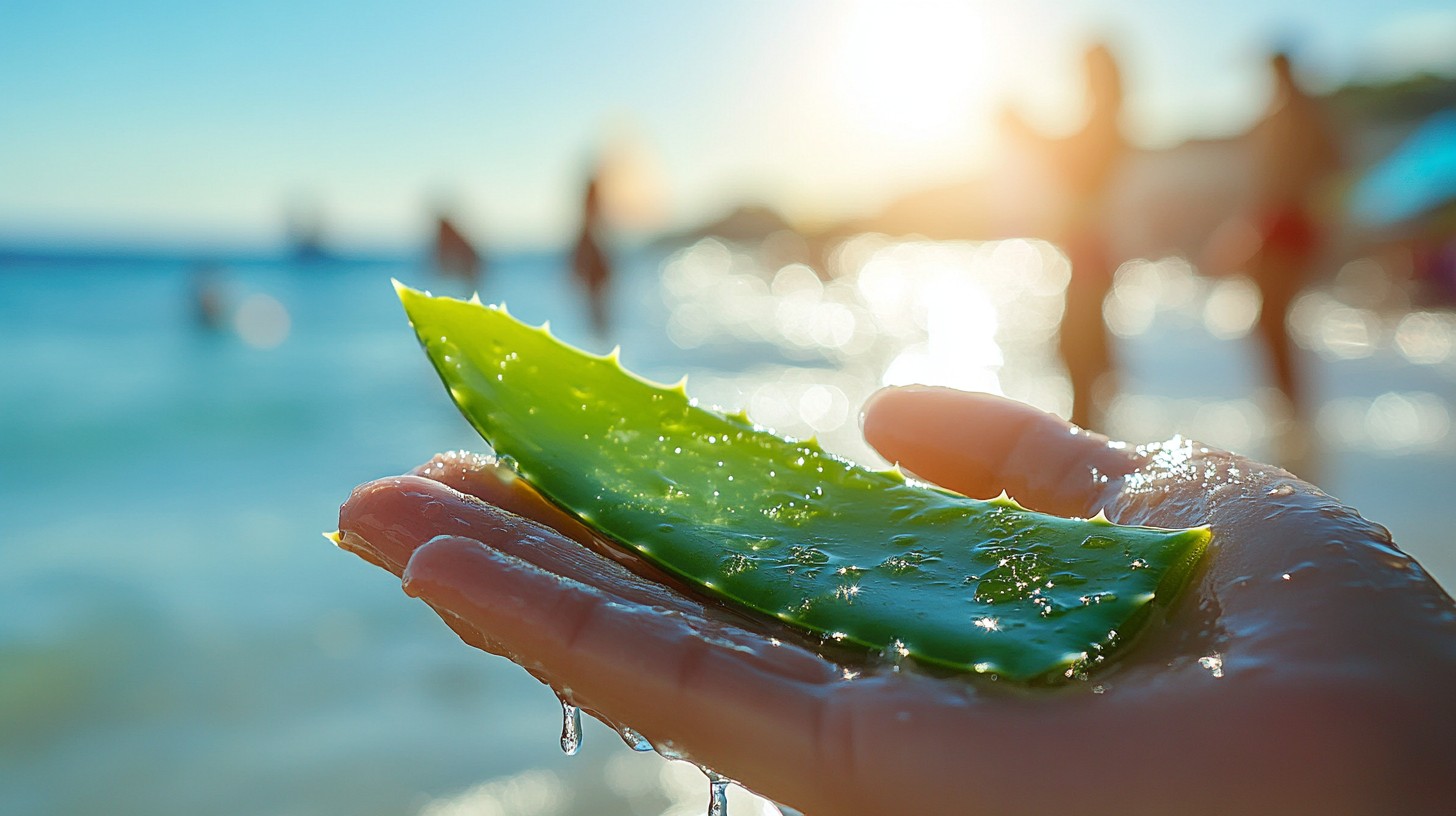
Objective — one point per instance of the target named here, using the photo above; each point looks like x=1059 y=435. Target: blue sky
x=195 y=121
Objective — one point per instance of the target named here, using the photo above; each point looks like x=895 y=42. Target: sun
x=914 y=71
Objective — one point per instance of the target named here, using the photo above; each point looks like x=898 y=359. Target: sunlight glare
x=914 y=70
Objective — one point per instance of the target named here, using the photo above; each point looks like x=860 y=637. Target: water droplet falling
x=570 y=728
x=717 y=794
x=634 y=740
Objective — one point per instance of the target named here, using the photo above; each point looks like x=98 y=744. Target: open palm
x=1309 y=668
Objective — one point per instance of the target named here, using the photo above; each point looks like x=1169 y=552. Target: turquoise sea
x=177 y=638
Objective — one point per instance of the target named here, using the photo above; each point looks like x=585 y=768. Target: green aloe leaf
x=784 y=528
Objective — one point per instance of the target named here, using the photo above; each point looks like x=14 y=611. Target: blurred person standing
x=590 y=266
x=1086 y=163
x=1292 y=151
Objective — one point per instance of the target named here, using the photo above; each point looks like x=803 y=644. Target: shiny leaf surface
x=784 y=528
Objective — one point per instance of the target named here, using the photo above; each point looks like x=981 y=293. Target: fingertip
x=450 y=561
x=937 y=432
x=386 y=520
x=455 y=575
x=887 y=419
x=980 y=444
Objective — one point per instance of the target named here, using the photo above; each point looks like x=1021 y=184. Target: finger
x=979 y=445
x=731 y=699
x=483 y=477
x=385 y=521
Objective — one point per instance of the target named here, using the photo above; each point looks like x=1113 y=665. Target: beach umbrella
x=1419 y=176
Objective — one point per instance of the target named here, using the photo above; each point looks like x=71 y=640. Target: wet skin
x=1310 y=667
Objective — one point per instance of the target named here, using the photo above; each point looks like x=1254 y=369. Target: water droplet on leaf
x=634 y=740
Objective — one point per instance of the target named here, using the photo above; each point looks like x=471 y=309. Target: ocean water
x=176 y=637
x=175 y=634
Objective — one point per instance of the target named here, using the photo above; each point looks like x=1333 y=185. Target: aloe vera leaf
x=784 y=528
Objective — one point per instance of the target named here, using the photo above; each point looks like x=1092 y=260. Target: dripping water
x=570 y=728
x=571 y=743
x=717 y=794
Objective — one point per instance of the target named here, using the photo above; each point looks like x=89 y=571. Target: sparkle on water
x=983 y=316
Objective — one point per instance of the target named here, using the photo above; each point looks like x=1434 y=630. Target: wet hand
x=1307 y=668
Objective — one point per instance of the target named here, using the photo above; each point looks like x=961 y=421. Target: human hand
x=1308 y=668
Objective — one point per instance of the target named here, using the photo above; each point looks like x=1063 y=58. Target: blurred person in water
x=590 y=266
x=454 y=256
x=1086 y=164
x=1292 y=153
x=1306 y=669
x=209 y=297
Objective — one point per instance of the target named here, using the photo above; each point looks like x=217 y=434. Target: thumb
x=980 y=444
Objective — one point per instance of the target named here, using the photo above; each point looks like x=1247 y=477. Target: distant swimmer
x=590 y=266
x=454 y=255
x=209 y=307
